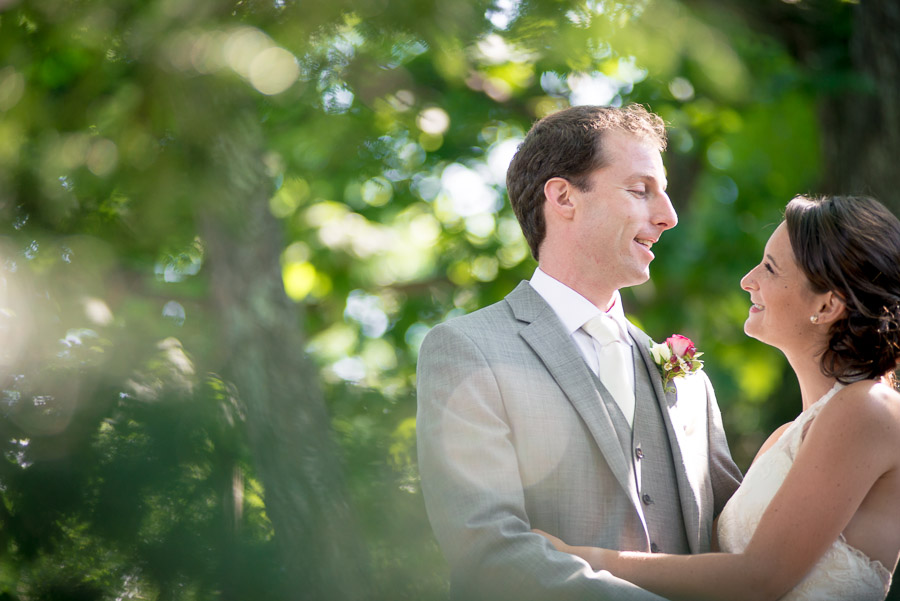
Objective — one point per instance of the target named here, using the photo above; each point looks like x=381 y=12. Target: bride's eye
x=768 y=268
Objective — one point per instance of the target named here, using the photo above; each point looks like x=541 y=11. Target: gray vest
x=649 y=459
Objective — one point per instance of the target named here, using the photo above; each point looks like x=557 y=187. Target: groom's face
x=623 y=212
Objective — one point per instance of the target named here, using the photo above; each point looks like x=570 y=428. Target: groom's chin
x=638 y=276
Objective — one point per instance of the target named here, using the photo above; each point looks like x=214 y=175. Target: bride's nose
x=748 y=282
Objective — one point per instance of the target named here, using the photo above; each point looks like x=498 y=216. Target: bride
x=818 y=514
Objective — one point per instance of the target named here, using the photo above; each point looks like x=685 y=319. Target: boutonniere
x=676 y=358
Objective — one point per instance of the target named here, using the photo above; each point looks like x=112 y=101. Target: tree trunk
x=852 y=55
x=861 y=127
x=288 y=425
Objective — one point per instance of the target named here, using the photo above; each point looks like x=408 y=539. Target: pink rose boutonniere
x=676 y=358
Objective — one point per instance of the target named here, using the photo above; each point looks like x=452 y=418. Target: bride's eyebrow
x=773 y=261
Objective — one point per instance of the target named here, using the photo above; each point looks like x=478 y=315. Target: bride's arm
x=849 y=446
x=711 y=576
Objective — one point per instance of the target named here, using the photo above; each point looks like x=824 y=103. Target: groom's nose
x=665 y=216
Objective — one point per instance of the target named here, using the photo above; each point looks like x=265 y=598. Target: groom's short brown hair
x=568 y=144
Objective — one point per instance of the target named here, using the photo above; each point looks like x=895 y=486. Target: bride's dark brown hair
x=850 y=245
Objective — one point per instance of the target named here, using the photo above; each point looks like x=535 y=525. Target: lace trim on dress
x=878 y=567
x=807 y=416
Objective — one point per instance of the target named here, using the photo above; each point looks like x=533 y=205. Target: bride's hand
x=557 y=542
x=600 y=559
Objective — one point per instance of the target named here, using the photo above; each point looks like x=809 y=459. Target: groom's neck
x=599 y=293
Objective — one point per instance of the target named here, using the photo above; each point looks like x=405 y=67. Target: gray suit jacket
x=512 y=435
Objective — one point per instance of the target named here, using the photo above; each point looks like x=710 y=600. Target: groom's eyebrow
x=648 y=179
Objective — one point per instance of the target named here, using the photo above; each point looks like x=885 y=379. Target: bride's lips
x=756 y=308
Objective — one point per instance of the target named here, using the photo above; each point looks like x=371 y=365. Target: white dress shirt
x=574 y=311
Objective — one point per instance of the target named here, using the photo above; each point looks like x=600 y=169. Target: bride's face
x=782 y=298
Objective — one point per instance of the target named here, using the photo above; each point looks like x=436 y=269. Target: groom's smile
x=643 y=247
x=621 y=213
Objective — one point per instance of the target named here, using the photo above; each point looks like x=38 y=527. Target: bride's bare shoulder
x=869 y=395
x=868 y=403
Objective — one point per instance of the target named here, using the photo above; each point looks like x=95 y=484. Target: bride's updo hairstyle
x=850 y=245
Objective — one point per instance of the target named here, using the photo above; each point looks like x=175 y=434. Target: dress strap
x=805 y=419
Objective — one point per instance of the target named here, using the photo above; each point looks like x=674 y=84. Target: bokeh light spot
x=273 y=71
x=174 y=311
x=433 y=120
x=299 y=279
x=681 y=89
x=377 y=191
x=98 y=311
x=102 y=157
x=719 y=155
x=12 y=88
x=242 y=48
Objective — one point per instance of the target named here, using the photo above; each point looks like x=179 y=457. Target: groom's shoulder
x=496 y=314
x=499 y=316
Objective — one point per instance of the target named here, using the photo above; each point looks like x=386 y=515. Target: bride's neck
x=813 y=383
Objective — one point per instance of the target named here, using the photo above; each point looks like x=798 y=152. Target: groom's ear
x=558 y=192
x=832 y=308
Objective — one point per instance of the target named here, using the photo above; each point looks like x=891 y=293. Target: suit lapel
x=689 y=487
x=546 y=336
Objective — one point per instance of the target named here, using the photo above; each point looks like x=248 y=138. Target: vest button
x=639 y=453
x=654 y=548
x=646 y=499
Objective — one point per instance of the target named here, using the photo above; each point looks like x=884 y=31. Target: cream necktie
x=614 y=358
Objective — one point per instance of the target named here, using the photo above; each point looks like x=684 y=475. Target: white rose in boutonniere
x=676 y=358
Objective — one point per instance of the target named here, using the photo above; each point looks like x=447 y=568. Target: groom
x=546 y=410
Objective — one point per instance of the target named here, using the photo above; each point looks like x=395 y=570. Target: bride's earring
x=814 y=318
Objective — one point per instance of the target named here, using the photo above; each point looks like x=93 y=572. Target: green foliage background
x=374 y=134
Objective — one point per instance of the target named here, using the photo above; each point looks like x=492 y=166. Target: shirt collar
x=572 y=308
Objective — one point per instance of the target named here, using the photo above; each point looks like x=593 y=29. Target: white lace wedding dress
x=844 y=572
